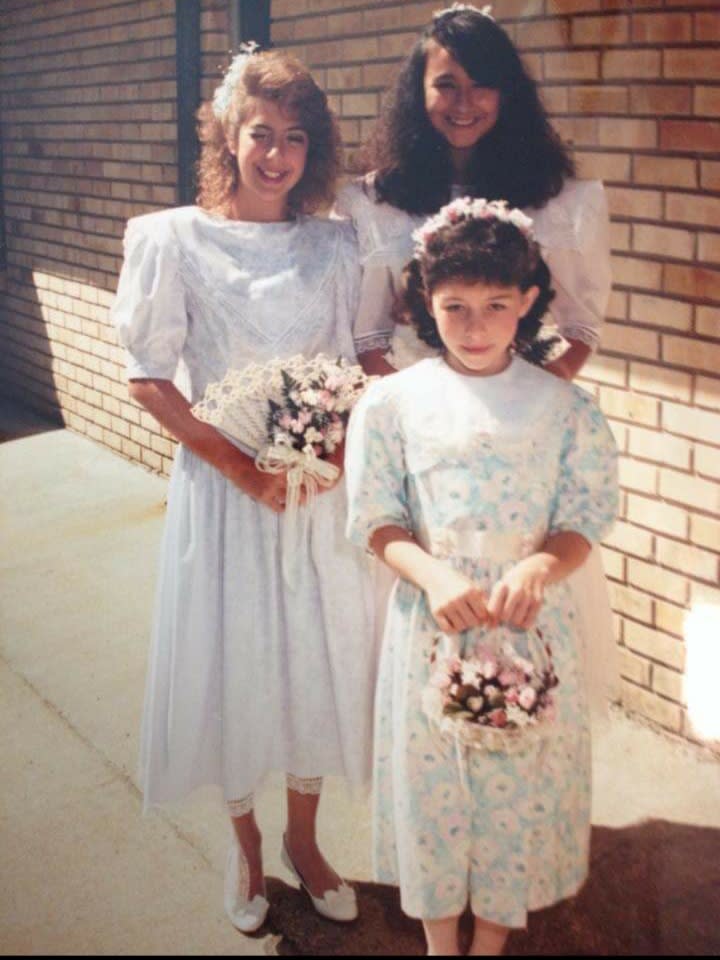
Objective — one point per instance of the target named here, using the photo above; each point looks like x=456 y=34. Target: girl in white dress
x=465 y=118
x=247 y=674
x=481 y=480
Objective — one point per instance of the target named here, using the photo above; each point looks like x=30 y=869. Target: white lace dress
x=573 y=231
x=246 y=675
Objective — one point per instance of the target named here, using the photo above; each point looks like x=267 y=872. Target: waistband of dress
x=491 y=545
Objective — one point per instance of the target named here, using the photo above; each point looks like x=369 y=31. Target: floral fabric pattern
x=480 y=469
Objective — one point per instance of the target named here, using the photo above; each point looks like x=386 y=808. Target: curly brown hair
x=478 y=251
x=281 y=78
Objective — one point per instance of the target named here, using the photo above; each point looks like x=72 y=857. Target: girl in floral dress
x=248 y=675
x=482 y=481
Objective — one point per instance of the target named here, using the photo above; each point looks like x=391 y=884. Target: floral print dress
x=481 y=469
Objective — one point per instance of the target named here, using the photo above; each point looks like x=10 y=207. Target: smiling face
x=477 y=322
x=271 y=153
x=457 y=107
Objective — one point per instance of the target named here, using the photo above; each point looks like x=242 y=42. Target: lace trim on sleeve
x=373 y=341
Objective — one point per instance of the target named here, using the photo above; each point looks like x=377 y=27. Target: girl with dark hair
x=464 y=118
x=247 y=674
x=481 y=480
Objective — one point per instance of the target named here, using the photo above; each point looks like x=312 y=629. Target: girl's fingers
x=497 y=602
x=478 y=607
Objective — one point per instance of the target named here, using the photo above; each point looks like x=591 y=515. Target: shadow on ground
x=654 y=889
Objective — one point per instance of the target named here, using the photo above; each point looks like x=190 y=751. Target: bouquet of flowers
x=496 y=701
x=291 y=414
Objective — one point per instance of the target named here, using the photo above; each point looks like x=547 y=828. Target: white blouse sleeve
x=574 y=233
x=373 y=323
x=149 y=309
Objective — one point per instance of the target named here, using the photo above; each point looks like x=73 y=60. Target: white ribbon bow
x=303 y=469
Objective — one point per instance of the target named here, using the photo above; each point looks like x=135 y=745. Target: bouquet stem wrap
x=303 y=470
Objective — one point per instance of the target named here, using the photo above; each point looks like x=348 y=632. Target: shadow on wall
x=654 y=890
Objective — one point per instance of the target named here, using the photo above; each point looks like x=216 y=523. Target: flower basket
x=490 y=700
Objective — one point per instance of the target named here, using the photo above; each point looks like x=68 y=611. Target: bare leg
x=488 y=939
x=442 y=937
x=249 y=839
x=303 y=801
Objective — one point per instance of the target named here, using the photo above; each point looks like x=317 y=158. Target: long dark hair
x=478 y=250
x=521 y=160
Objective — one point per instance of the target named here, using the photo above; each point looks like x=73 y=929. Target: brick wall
x=88 y=111
x=634 y=85
x=87 y=103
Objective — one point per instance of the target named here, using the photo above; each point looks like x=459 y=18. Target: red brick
x=705 y=531
x=665 y=171
x=543 y=34
x=660 y=311
x=698 y=282
x=632 y=272
x=701 y=136
x=664 y=241
x=672 y=384
x=707 y=392
x=628 y=133
x=572 y=66
x=694 y=64
x=693 y=208
x=691 y=422
x=657 y=516
x=654 y=579
x=662 y=28
x=603 y=100
x=707 y=101
x=683 y=488
x=601 y=31
x=660 y=447
x=664 y=100
x=651 y=643
x=624 y=202
x=631 y=64
x=604 y=166
x=707 y=321
x=707 y=26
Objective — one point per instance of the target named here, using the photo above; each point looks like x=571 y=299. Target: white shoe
x=247 y=916
x=340 y=905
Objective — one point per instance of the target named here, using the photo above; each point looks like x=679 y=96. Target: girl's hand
x=516 y=599
x=455 y=602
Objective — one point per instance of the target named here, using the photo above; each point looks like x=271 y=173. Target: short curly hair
x=478 y=251
x=282 y=79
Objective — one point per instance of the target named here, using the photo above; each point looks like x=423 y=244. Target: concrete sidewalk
x=81 y=870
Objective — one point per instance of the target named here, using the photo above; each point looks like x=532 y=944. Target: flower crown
x=222 y=98
x=469 y=208
x=460 y=7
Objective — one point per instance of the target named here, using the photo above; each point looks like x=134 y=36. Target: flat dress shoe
x=247 y=916
x=339 y=905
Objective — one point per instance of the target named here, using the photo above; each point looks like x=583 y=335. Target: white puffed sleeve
x=149 y=309
x=375 y=472
x=573 y=230
x=373 y=324
x=586 y=496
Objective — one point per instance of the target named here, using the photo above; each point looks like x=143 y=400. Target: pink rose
x=527 y=698
x=498 y=718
